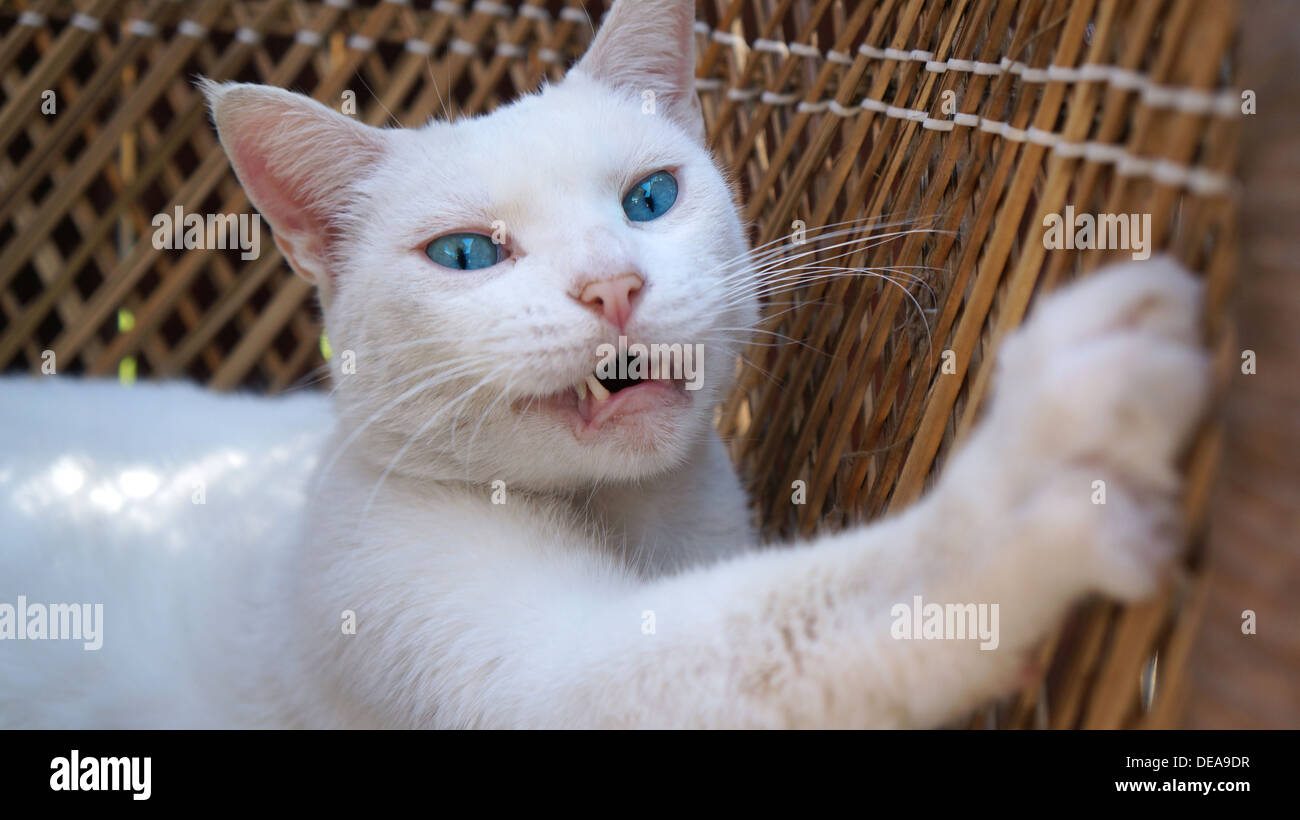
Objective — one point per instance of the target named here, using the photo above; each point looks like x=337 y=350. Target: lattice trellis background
x=972 y=118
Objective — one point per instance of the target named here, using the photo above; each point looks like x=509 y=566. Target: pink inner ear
x=297 y=159
x=273 y=196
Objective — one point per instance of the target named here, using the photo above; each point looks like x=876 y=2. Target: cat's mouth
x=599 y=402
x=601 y=389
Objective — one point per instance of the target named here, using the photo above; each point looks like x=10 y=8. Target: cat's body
x=170 y=506
x=512 y=551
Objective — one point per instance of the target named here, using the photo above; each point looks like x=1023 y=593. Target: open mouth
x=600 y=389
x=597 y=402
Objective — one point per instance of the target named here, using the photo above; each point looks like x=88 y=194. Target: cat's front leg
x=1102 y=385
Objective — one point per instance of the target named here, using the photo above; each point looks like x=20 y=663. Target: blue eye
x=651 y=197
x=463 y=251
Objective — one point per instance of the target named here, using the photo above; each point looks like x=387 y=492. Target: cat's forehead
x=566 y=136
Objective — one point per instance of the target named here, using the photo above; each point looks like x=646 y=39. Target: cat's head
x=471 y=271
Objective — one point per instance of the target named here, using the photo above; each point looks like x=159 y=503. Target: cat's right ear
x=296 y=160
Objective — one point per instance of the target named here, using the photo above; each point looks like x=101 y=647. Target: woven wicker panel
x=960 y=123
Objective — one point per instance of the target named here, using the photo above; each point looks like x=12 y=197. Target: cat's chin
x=638 y=417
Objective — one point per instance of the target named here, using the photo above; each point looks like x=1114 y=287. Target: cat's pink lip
x=639 y=403
x=644 y=397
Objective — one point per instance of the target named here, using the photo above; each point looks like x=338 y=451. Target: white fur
x=98 y=485
x=533 y=612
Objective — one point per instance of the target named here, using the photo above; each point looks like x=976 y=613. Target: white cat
x=247 y=581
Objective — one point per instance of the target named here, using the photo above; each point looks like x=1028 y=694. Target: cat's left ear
x=647 y=48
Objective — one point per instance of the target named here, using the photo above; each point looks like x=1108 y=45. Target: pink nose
x=612 y=297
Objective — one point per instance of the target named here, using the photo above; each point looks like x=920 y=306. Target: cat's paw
x=1096 y=395
x=1108 y=371
x=1096 y=532
x=1158 y=297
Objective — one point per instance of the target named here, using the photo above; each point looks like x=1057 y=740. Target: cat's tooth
x=581 y=387
x=598 y=391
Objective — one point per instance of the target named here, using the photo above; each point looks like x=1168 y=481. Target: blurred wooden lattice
x=980 y=117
